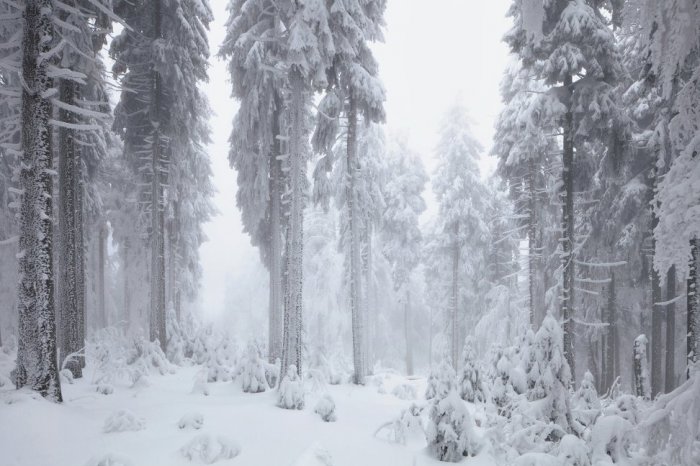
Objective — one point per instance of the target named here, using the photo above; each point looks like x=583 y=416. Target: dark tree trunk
x=101 y=282
x=693 y=339
x=670 y=330
x=657 y=317
x=276 y=297
x=641 y=384
x=568 y=241
x=37 y=366
x=532 y=248
x=610 y=335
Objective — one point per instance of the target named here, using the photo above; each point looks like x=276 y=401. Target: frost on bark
x=276 y=296
x=454 y=299
x=356 y=307
x=640 y=369
x=610 y=337
x=657 y=318
x=71 y=333
x=670 y=330
x=693 y=339
x=293 y=306
x=36 y=354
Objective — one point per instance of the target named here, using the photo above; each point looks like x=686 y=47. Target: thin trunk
x=71 y=332
x=568 y=242
x=126 y=273
x=369 y=303
x=454 y=304
x=157 y=317
x=670 y=330
x=657 y=318
x=693 y=319
x=407 y=329
x=101 y=264
x=610 y=335
x=293 y=306
x=355 y=251
x=531 y=236
x=640 y=364
x=276 y=305
x=37 y=367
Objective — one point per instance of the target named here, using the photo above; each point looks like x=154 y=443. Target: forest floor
x=35 y=432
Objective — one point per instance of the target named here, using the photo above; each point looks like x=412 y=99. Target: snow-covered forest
x=524 y=298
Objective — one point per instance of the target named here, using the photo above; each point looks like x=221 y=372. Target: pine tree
x=401 y=235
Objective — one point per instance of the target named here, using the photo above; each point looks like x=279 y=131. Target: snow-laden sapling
x=610 y=440
x=252 y=374
x=469 y=382
x=209 y=449
x=586 y=405
x=123 y=420
x=191 y=421
x=326 y=408
x=572 y=451
x=450 y=431
x=440 y=381
x=290 y=394
x=397 y=430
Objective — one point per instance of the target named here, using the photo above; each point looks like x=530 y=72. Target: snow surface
x=72 y=433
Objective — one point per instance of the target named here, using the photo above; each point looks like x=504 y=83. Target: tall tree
x=401 y=235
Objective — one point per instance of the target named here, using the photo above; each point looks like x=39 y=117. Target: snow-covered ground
x=35 y=432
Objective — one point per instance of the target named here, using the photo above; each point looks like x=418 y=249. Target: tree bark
x=670 y=330
x=355 y=250
x=37 y=366
x=407 y=329
x=610 y=335
x=657 y=318
x=568 y=242
x=293 y=305
x=276 y=310
x=454 y=301
x=693 y=318
x=101 y=283
x=641 y=384
x=532 y=238
x=157 y=316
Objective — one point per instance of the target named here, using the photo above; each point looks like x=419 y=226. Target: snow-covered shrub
x=572 y=451
x=441 y=380
x=610 y=441
x=209 y=449
x=252 y=373
x=191 y=421
x=470 y=388
x=200 y=386
x=585 y=403
x=398 y=429
x=325 y=407
x=66 y=376
x=450 y=432
x=104 y=389
x=290 y=394
x=123 y=420
x=109 y=460
x=626 y=406
x=508 y=379
x=404 y=391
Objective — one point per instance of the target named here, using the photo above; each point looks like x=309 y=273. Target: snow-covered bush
x=191 y=421
x=404 y=391
x=252 y=375
x=104 y=389
x=626 y=406
x=66 y=376
x=123 y=420
x=610 y=441
x=470 y=388
x=200 y=386
x=325 y=407
x=290 y=394
x=450 y=432
x=209 y=449
x=398 y=429
x=585 y=403
x=441 y=380
x=572 y=451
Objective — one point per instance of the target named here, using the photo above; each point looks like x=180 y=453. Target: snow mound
x=253 y=376
x=326 y=408
x=209 y=449
x=122 y=421
x=315 y=455
x=66 y=376
x=109 y=460
x=291 y=392
x=536 y=459
x=404 y=391
x=200 y=383
x=191 y=421
x=573 y=451
x=104 y=389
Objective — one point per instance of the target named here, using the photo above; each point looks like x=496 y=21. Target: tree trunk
x=610 y=335
x=657 y=318
x=532 y=238
x=157 y=317
x=355 y=251
x=454 y=301
x=641 y=378
x=276 y=305
x=693 y=319
x=293 y=305
x=37 y=367
x=369 y=302
x=101 y=265
x=670 y=330
x=568 y=242
x=126 y=273
x=71 y=331
x=407 y=329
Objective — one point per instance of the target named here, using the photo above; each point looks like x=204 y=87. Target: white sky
x=435 y=51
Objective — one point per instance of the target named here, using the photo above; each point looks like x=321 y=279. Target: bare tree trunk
x=609 y=340
x=568 y=242
x=101 y=265
x=657 y=318
x=693 y=339
x=355 y=251
x=293 y=305
x=157 y=316
x=670 y=330
x=532 y=238
x=641 y=382
x=369 y=302
x=276 y=305
x=37 y=367
x=454 y=304
x=407 y=330
x=126 y=250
